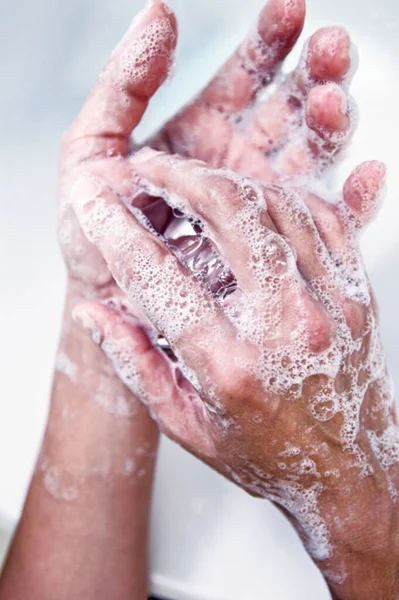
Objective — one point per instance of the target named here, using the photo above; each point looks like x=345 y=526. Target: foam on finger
x=136 y=69
x=364 y=190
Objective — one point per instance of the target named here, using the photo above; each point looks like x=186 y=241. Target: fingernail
x=336 y=92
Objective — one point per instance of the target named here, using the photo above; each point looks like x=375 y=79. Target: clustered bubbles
x=137 y=58
x=66 y=366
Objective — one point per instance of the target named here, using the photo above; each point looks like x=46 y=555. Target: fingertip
x=363 y=189
x=376 y=172
x=141 y=61
x=327 y=109
x=281 y=22
x=329 y=54
x=153 y=9
x=162 y=9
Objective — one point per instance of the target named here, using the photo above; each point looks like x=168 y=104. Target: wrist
x=362 y=518
x=96 y=428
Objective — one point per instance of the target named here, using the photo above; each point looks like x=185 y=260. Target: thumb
x=148 y=373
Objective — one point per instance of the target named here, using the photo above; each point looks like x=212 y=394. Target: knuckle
x=321 y=332
x=355 y=316
x=329 y=222
x=236 y=387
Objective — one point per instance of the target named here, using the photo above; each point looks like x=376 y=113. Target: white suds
x=65 y=365
x=57 y=484
x=120 y=404
x=130 y=466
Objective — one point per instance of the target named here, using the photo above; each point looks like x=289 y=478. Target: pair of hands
x=282 y=388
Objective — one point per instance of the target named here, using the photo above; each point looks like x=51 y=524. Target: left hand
x=298 y=131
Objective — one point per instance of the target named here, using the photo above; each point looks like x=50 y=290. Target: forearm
x=84 y=528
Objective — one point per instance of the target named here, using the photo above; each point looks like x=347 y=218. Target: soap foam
x=66 y=366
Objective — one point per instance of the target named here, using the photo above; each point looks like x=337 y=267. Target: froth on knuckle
x=137 y=258
x=321 y=331
x=235 y=386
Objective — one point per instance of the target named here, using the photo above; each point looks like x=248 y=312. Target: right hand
x=287 y=393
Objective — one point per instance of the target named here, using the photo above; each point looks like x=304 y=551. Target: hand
x=285 y=389
x=297 y=131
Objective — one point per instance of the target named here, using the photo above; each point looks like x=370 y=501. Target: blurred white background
x=210 y=541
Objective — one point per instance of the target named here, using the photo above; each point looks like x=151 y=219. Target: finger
x=362 y=194
x=331 y=225
x=256 y=61
x=232 y=209
x=326 y=58
x=321 y=241
x=147 y=373
x=325 y=132
x=148 y=273
x=363 y=191
x=119 y=99
x=293 y=220
x=327 y=114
